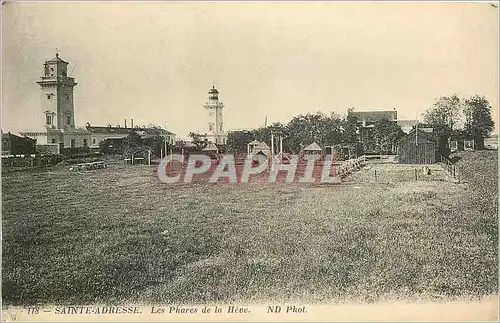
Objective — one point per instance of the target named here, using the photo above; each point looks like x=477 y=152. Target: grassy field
x=119 y=235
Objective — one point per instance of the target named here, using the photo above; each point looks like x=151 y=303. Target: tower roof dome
x=213 y=90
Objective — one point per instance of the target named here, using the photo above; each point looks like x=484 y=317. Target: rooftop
x=376 y=115
x=123 y=130
x=57 y=59
x=407 y=123
x=213 y=90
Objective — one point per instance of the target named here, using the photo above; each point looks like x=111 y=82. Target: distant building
x=56 y=124
x=367 y=118
x=491 y=142
x=99 y=134
x=16 y=145
x=417 y=147
x=462 y=143
x=366 y=124
x=407 y=125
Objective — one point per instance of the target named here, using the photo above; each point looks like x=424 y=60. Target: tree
x=331 y=131
x=350 y=134
x=386 y=134
x=156 y=143
x=445 y=113
x=133 y=144
x=264 y=134
x=303 y=130
x=443 y=117
x=478 y=121
x=237 y=141
x=198 y=140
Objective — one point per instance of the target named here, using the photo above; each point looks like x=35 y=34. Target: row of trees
x=449 y=116
x=325 y=130
x=453 y=116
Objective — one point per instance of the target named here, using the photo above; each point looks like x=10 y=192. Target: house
x=17 y=145
x=367 y=118
x=407 y=125
x=98 y=133
x=491 y=142
x=417 y=147
x=261 y=149
x=211 y=148
x=461 y=143
x=313 y=149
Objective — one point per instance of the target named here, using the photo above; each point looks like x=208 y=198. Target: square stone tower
x=57 y=106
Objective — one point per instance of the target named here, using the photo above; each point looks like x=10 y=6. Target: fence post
x=416 y=175
x=375 y=175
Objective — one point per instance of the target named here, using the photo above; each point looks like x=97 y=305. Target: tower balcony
x=53 y=80
x=57 y=77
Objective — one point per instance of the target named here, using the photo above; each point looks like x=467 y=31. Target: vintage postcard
x=249 y=161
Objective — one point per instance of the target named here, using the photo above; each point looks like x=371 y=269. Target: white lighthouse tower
x=214 y=109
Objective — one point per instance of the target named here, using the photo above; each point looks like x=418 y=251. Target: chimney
x=125 y=123
x=131 y=123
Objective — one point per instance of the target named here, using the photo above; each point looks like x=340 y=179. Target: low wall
x=48 y=149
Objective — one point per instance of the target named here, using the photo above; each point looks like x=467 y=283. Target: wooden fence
x=350 y=166
x=450 y=168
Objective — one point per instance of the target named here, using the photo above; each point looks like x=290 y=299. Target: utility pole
x=272 y=151
x=416 y=131
x=165 y=143
x=165 y=140
x=281 y=149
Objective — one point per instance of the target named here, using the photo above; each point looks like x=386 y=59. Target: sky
x=155 y=61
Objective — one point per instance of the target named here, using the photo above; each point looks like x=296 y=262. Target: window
x=93 y=141
x=84 y=142
x=53 y=140
x=48 y=119
x=469 y=145
x=72 y=143
x=68 y=120
x=453 y=146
